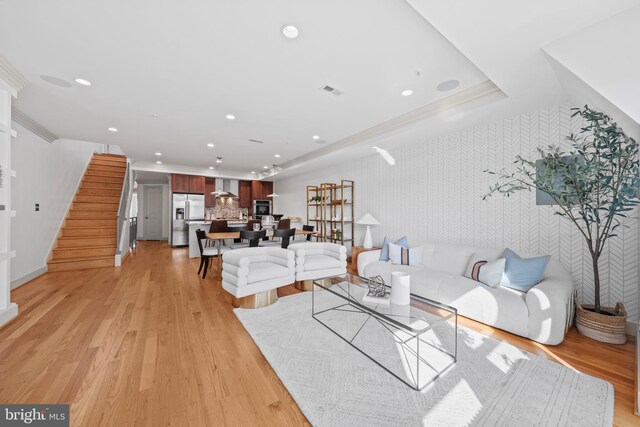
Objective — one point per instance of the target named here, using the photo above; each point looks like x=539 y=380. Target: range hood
x=226 y=188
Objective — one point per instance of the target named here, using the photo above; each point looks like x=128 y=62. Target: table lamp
x=367 y=220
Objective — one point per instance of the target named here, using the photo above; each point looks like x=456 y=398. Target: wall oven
x=262 y=207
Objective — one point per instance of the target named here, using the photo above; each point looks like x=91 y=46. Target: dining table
x=221 y=236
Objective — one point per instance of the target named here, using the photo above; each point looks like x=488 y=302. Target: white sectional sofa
x=541 y=314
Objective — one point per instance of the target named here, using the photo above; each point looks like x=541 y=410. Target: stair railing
x=123 y=216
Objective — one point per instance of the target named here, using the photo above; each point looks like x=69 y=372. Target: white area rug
x=492 y=384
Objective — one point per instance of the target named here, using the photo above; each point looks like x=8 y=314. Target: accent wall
x=435 y=193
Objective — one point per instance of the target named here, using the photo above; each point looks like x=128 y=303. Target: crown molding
x=28 y=123
x=11 y=75
x=468 y=95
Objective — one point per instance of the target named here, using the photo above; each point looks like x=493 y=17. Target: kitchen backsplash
x=226 y=208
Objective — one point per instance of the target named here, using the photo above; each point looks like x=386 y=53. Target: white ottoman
x=318 y=260
x=253 y=275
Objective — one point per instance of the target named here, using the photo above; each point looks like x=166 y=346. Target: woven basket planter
x=602 y=327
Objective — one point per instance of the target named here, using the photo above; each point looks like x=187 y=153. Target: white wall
x=166 y=207
x=48 y=174
x=434 y=193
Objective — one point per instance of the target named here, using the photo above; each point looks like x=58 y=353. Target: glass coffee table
x=415 y=343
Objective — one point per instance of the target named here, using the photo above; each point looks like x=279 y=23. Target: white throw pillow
x=486 y=272
x=405 y=256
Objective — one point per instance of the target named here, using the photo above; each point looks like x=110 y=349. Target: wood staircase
x=88 y=236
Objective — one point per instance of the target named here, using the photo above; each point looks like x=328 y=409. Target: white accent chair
x=318 y=260
x=253 y=275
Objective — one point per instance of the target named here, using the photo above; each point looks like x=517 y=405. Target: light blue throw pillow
x=522 y=274
x=384 y=254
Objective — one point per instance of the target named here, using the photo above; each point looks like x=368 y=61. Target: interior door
x=152 y=212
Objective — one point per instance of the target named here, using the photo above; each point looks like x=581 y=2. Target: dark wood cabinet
x=267 y=188
x=209 y=187
x=187 y=184
x=256 y=190
x=260 y=189
x=244 y=190
x=179 y=183
x=196 y=184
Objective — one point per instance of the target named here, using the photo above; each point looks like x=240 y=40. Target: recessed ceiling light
x=159 y=162
x=219 y=160
x=265 y=167
x=290 y=31
x=82 y=82
x=230 y=117
x=210 y=167
x=448 y=85
x=253 y=172
x=158 y=154
x=316 y=137
x=112 y=129
x=407 y=92
x=210 y=145
x=277 y=155
x=57 y=81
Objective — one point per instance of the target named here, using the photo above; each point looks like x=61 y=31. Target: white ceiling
x=194 y=61
x=505 y=39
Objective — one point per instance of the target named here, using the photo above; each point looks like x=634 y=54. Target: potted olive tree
x=595 y=185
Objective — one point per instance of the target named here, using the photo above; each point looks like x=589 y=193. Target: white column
x=8 y=310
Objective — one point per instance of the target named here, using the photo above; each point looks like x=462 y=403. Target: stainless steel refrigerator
x=185 y=208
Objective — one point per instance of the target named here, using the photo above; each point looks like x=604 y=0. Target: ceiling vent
x=332 y=90
x=257 y=141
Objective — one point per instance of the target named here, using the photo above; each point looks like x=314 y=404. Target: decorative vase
x=608 y=328
x=400 y=288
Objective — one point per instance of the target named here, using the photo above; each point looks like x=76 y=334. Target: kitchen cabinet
x=260 y=190
x=244 y=192
x=196 y=184
x=267 y=188
x=209 y=187
x=179 y=183
x=187 y=184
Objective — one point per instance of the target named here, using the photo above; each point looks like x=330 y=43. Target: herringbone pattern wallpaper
x=434 y=193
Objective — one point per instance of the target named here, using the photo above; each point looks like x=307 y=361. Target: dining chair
x=308 y=228
x=217 y=226
x=206 y=253
x=239 y=229
x=252 y=236
x=284 y=224
x=284 y=235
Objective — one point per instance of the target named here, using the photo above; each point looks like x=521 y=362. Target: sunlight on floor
x=448 y=407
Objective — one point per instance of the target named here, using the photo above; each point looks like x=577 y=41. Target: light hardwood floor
x=152 y=344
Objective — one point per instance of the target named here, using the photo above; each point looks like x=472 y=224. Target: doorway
x=152 y=228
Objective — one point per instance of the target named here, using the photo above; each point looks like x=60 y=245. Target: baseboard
x=632 y=329
x=8 y=313
x=28 y=277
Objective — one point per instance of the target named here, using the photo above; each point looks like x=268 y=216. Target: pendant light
x=218 y=192
x=274 y=194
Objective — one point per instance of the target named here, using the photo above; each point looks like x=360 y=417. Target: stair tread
x=72 y=227
x=84 y=247
x=88 y=258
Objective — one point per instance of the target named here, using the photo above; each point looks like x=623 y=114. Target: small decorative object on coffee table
x=377 y=291
x=400 y=288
